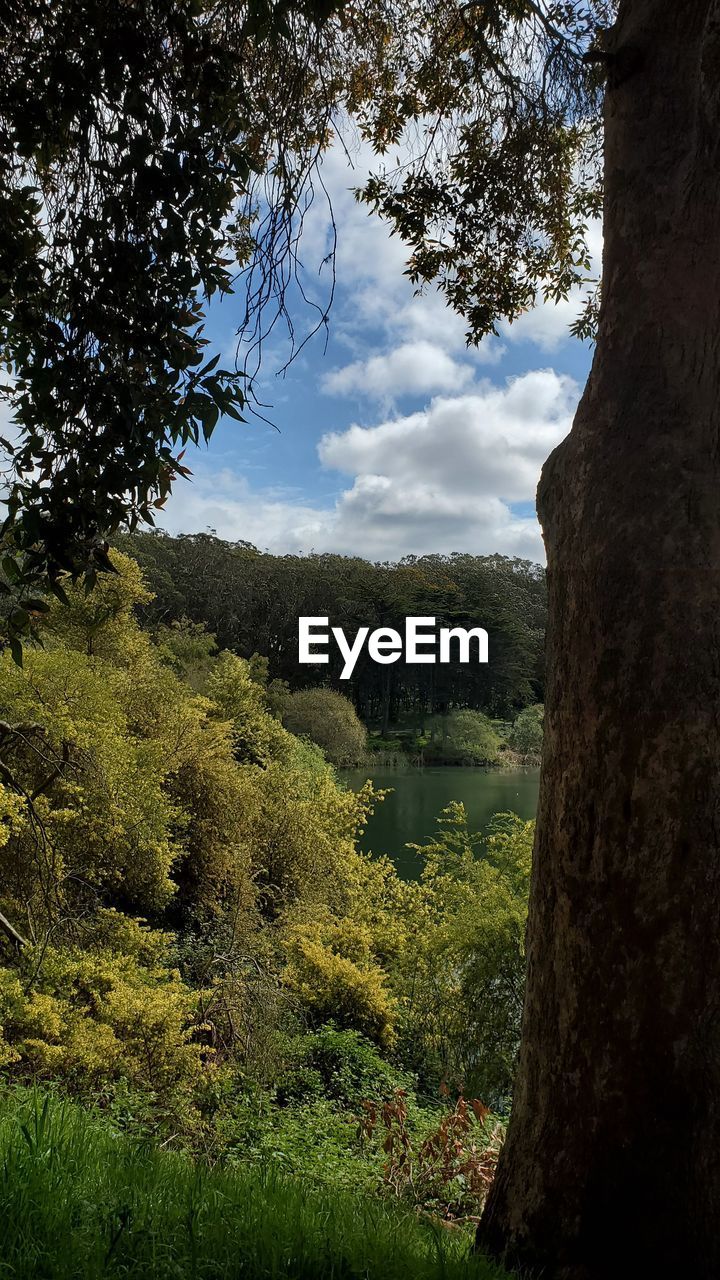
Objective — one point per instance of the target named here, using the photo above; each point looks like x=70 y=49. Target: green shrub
x=330 y=720
x=341 y=1065
x=465 y=737
x=315 y=1141
x=526 y=735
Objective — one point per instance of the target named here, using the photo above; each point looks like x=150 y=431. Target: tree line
x=251 y=601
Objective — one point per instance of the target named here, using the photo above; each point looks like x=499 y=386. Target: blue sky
x=393 y=438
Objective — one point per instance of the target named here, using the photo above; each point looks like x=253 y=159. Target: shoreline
x=409 y=764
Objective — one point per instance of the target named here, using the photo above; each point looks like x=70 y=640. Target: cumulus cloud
x=491 y=441
x=414 y=344
x=447 y=477
x=226 y=502
x=384 y=519
x=417 y=367
x=444 y=479
x=427 y=316
x=547 y=325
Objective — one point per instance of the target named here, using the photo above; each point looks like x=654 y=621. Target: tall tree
x=251 y=602
x=611 y=1164
x=621 y=1032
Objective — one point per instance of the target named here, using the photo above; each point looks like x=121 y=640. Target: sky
x=388 y=436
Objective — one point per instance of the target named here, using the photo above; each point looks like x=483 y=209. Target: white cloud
x=381 y=519
x=439 y=480
x=225 y=502
x=388 y=315
x=548 y=324
x=417 y=367
x=491 y=441
x=428 y=316
x=375 y=518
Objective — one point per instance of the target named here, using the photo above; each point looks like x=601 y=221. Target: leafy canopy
x=132 y=137
x=497 y=106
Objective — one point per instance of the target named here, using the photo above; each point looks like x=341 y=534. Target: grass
x=78 y=1200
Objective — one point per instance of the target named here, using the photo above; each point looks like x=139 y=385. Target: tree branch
x=11 y=933
x=56 y=773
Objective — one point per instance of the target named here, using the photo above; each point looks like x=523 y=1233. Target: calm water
x=419 y=795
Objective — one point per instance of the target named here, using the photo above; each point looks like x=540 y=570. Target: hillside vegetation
x=193 y=946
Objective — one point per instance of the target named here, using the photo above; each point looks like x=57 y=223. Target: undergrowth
x=78 y=1199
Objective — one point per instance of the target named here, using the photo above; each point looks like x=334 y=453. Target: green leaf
x=16 y=650
x=11 y=569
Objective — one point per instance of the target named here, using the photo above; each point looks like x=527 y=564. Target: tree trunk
x=612 y=1163
x=386 y=701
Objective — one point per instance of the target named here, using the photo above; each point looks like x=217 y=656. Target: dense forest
x=192 y=943
x=251 y=602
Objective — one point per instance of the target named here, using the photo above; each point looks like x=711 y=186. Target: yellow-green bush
x=131 y=794
x=92 y=1017
x=333 y=988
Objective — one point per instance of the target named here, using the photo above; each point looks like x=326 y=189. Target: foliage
x=451 y=1169
x=331 y=985
x=303 y=828
x=100 y=820
x=313 y=1140
x=330 y=720
x=98 y=1016
x=123 y=1208
x=188 y=649
x=124 y=788
x=133 y=140
x=258 y=738
x=465 y=988
x=162 y=151
x=194 y=940
x=464 y=736
x=526 y=735
x=505 y=171
x=340 y=1065
x=250 y=600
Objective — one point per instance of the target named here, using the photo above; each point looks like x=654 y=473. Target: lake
x=419 y=795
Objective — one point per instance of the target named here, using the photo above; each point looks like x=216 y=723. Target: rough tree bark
x=612 y=1164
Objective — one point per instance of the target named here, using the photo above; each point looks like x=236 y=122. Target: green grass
x=78 y=1200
